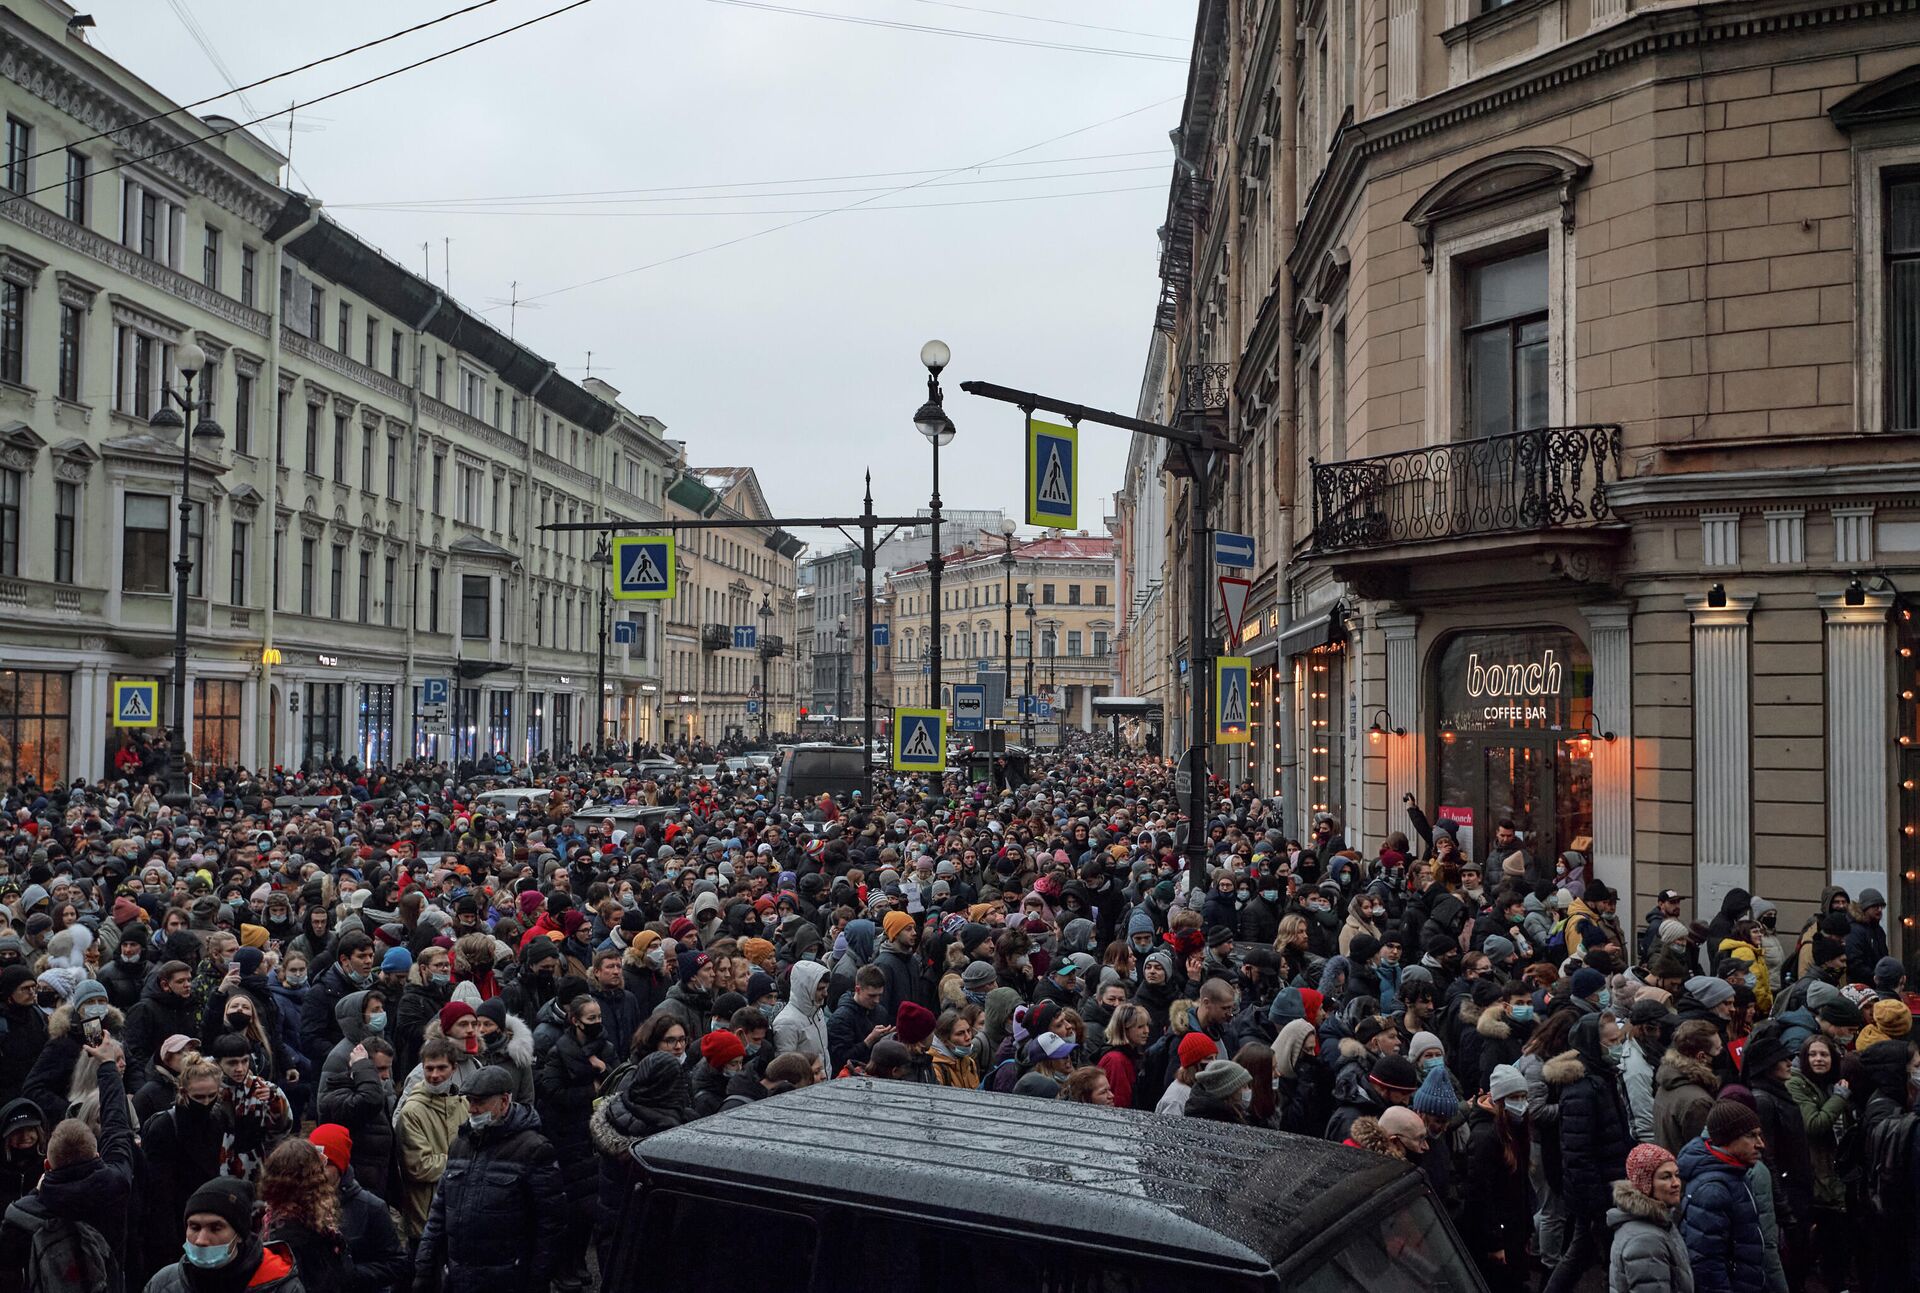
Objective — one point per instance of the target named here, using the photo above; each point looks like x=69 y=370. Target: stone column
x=1722 y=748
x=1611 y=644
x=1859 y=767
x=1403 y=711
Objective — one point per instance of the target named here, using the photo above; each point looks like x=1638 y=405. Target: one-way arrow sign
x=1232 y=550
x=1233 y=600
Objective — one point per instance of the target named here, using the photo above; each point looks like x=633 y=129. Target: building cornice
x=51 y=75
x=1683 y=494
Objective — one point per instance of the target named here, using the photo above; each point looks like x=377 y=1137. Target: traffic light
x=803 y=711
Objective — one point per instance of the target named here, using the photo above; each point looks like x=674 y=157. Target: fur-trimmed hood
x=519 y=1039
x=1352 y=1050
x=1367 y=1135
x=66 y=1019
x=1564 y=1069
x=1677 y=1070
x=1635 y=1206
x=1493 y=1024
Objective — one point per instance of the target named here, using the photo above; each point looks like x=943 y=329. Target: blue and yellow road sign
x=1232 y=679
x=643 y=568
x=919 y=740
x=1053 y=480
x=136 y=704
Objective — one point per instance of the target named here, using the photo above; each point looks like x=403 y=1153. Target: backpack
x=66 y=1257
x=1887 y=1149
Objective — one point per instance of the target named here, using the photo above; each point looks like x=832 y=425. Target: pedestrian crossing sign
x=136 y=704
x=643 y=568
x=1053 y=464
x=919 y=740
x=1232 y=681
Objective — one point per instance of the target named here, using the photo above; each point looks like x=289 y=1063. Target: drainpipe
x=416 y=502
x=1240 y=756
x=262 y=726
x=1285 y=179
x=526 y=560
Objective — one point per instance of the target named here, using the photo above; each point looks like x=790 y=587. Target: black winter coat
x=564 y=1088
x=1499 y=1213
x=157 y=1016
x=375 y=1260
x=1787 y=1154
x=23 y=1035
x=1595 y=1127
x=419 y=1006
x=363 y=1104
x=319 y=1030
x=653 y=1100
x=499 y=1212
x=98 y=1191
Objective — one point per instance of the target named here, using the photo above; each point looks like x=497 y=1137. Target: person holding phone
x=84 y=1020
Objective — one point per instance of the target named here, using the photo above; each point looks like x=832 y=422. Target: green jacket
x=1825 y=1115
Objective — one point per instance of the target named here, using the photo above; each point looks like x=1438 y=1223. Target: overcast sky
x=795 y=353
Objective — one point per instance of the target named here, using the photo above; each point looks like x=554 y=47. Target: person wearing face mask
x=428 y=989
x=538 y=979
x=1360 y=922
x=223 y=1251
x=565 y=1087
x=429 y=1116
x=363 y=1102
x=645 y=963
x=1498 y=1221
x=126 y=976
x=653 y=1100
x=1259 y=919
x=1222 y=1092
x=260 y=1111
x=24 y=1035
x=71 y=1028
x=1741 y=947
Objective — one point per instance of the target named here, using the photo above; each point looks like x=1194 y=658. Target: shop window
x=320 y=721
x=216 y=725
x=500 y=723
x=1326 y=692
x=374 y=735
x=1513 y=724
x=34 y=723
x=1902 y=273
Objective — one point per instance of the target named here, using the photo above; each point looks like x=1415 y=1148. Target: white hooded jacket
x=801 y=1024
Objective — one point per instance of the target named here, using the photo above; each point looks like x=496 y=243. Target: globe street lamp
x=937 y=427
x=602 y=557
x=842 y=675
x=1026 y=702
x=195 y=425
x=766 y=623
x=1006 y=536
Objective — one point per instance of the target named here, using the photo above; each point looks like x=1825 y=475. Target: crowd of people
x=410 y=1040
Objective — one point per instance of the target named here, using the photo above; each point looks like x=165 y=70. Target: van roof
x=1182 y=1188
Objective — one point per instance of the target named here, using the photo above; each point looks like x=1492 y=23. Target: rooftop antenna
x=514 y=305
x=446 y=264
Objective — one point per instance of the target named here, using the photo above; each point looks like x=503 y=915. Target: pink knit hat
x=1642 y=1163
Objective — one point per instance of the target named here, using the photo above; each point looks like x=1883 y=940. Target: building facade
x=1571 y=348
x=370 y=518
x=732 y=615
x=1063 y=651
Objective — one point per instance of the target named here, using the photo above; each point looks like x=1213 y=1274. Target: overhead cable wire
x=1057 y=22
x=893 y=24
x=533 y=204
x=592 y=194
x=307 y=103
x=821 y=215
x=265 y=80
x=668 y=215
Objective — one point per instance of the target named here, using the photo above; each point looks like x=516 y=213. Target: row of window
x=715 y=673
x=989 y=594
x=988 y=643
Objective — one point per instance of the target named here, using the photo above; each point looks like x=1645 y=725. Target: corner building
x=1575 y=345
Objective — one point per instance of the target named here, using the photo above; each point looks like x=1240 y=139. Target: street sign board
x=1053 y=482
x=623 y=632
x=1183 y=774
x=969 y=708
x=882 y=635
x=643 y=567
x=919 y=740
x=435 y=691
x=1232 y=686
x=745 y=637
x=753 y=707
x=983 y=666
x=1233 y=550
x=1233 y=600
x=136 y=704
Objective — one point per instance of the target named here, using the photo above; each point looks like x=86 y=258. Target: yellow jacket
x=1741 y=950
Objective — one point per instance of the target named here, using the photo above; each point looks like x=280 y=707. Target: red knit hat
x=1196 y=1048
x=720 y=1048
x=336 y=1142
x=1642 y=1163
x=1312 y=1002
x=913 y=1024
x=452 y=1013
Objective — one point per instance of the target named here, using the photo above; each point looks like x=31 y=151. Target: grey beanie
x=1220 y=1079
x=1871 y=898
x=1506 y=1082
x=977 y=975
x=1498 y=947
x=1709 y=992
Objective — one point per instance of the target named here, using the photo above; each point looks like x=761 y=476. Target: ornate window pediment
x=1891 y=98
x=1497 y=181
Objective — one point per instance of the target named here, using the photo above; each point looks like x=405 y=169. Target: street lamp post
x=937 y=427
x=766 y=697
x=602 y=557
x=1026 y=704
x=193 y=425
x=1006 y=536
x=842 y=674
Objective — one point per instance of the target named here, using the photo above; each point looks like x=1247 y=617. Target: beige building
x=1065 y=646
x=1572 y=346
x=732 y=615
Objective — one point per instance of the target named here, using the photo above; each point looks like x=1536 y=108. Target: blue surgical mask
x=1606 y=998
x=1431 y=1063
x=377 y=1022
x=208 y=1256
x=1271 y=895
x=480 y=1121
x=1522 y=1014
x=1516 y=1106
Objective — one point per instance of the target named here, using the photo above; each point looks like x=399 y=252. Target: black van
x=809 y=771
x=866 y=1186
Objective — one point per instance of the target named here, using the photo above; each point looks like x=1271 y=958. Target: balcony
x=716 y=637
x=1548 y=479
x=772 y=646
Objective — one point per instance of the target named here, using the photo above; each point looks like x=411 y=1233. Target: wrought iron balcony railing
x=1547 y=478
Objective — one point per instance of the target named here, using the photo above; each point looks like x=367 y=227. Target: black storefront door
x=1486 y=781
